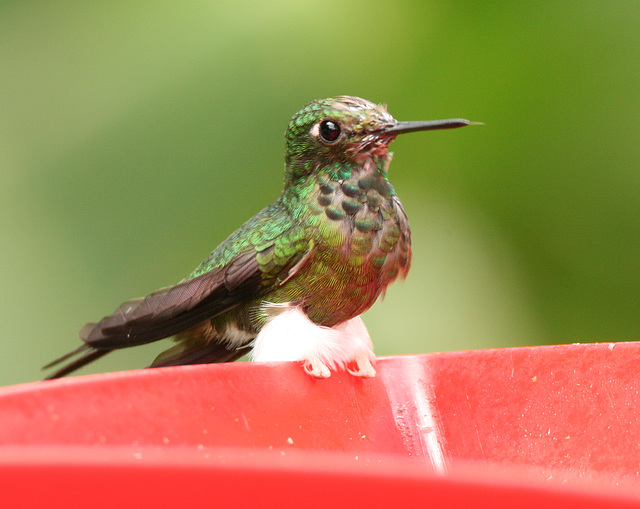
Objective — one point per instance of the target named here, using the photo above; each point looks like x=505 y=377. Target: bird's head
x=342 y=132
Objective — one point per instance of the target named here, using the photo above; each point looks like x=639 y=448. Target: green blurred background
x=135 y=136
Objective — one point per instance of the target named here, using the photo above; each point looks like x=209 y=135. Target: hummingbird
x=291 y=283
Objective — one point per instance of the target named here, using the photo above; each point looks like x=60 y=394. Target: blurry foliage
x=134 y=136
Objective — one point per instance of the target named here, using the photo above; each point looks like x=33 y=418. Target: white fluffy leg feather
x=289 y=335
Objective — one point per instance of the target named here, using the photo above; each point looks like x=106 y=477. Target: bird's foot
x=364 y=367
x=317 y=369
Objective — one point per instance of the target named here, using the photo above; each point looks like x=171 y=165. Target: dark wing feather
x=171 y=310
x=174 y=309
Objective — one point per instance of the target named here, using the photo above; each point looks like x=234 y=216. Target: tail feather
x=87 y=354
x=213 y=352
x=66 y=356
x=176 y=356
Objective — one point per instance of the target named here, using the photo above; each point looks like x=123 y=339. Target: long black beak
x=427 y=125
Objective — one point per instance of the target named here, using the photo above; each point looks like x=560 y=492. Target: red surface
x=525 y=427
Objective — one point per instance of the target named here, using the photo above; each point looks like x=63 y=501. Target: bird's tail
x=84 y=355
x=214 y=352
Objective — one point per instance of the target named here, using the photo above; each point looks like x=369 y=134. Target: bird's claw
x=364 y=368
x=317 y=369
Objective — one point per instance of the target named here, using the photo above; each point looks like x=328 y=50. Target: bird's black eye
x=329 y=130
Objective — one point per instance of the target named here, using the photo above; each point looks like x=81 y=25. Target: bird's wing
x=173 y=309
x=261 y=255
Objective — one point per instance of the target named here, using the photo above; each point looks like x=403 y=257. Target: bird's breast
x=362 y=243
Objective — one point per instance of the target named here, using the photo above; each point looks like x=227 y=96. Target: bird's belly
x=333 y=290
